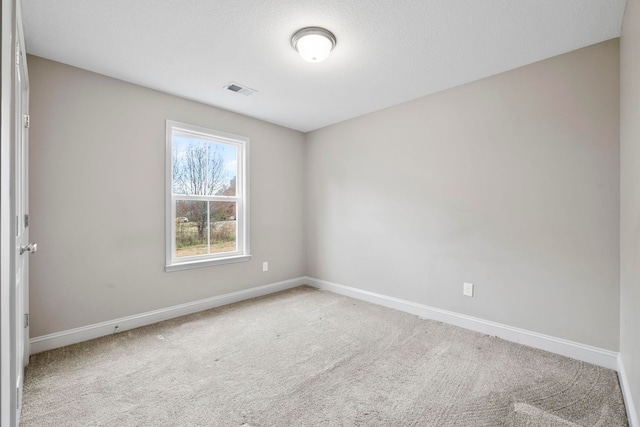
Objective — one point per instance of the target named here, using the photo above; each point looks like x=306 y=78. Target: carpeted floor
x=305 y=357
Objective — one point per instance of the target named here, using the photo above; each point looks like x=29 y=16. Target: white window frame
x=241 y=199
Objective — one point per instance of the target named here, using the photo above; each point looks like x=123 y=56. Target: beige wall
x=630 y=197
x=97 y=200
x=511 y=183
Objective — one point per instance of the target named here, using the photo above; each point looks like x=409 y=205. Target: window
x=207 y=197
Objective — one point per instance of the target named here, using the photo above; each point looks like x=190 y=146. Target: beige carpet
x=311 y=358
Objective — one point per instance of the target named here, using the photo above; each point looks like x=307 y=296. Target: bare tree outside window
x=199 y=169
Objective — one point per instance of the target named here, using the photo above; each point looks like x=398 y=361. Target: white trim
x=85 y=333
x=11 y=27
x=205 y=263
x=241 y=198
x=586 y=353
x=7 y=356
x=632 y=415
x=601 y=357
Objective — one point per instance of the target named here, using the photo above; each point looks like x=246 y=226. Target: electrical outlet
x=467 y=289
x=265 y=266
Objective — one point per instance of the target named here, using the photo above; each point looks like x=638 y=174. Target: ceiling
x=388 y=51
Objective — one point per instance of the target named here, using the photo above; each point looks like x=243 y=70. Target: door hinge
x=26 y=221
x=26 y=320
x=27 y=120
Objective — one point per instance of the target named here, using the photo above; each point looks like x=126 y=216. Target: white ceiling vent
x=238 y=88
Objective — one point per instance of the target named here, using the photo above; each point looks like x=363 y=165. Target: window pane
x=207 y=197
x=203 y=167
x=223 y=227
x=191 y=228
x=231 y=167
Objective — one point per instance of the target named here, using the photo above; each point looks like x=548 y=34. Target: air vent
x=238 y=88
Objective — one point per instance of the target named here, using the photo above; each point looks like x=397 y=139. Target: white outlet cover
x=265 y=266
x=467 y=289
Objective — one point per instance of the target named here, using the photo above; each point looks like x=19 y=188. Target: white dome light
x=313 y=44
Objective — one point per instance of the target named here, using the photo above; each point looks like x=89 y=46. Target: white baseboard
x=601 y=357
x=85 y=333
x=632 y=415
x=586 y=353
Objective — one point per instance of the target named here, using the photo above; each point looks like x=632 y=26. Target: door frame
x=11 y=27
x=21 y=206
x=23 y=139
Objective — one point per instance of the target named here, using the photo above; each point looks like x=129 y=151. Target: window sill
x=205 y=263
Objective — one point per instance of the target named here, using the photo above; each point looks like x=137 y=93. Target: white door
x=23 y=247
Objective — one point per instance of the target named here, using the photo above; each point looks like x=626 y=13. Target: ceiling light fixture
x=313 y=43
